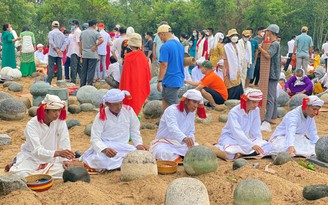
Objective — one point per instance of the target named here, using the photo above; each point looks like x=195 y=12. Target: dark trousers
x=288 y=61
x=216 y=96
x=51 y=62
x=88 y=71
x=256 y=72
x=67 y=64
x=75 y=67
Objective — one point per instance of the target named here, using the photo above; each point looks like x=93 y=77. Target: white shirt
x=210 y=40
x=69 y=45
x=176 y=125
x=114 y=71
x=196 y=74
x=75 y=48
x=294 y=123
x=41 y=57
x=116 y=129
x=117 y=47
x=242 y=127
x=102 y=48
x=291 y=46
x=186 y=73
x=325 y=50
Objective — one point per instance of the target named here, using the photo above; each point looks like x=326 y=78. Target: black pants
x=216 y=96
x=256 y=72
x=288 y=61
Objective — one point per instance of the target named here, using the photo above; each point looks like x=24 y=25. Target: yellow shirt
x=316 y=61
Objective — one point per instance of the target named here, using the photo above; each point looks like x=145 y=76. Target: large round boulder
x=15 y=87
x=283 y=99
x=252 y=191
x=39 y=88
x=76 y=173
x=138 y=164
x=86 y=93
x=15 y=74
x=87 y=107
x=321 y=149
x=154 y=94
x=200 y=160
x=296 y=101
x=4 y=96
x=153 y=109
x=231 y=103
x=12 y=109
x=4 y=71
x=186 y=191
x=97 y=98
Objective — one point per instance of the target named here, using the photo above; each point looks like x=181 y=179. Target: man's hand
x=189 y=141
x=159 y=86
x=94 y=48
x=109 y=152
x=141 y=147
x=68 y=154
x=258 y=149
x=291 y=150
x=288 y=90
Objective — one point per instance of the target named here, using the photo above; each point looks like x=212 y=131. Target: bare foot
x=74 y=162
x=219 y=153
x=238 y=155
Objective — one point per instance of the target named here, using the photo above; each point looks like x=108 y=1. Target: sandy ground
x=286 y=185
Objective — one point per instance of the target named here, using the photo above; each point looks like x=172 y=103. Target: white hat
x=53 y=102
x=39 y=45
x=250 y=94
x=221 y=62
x=135 y=40
x=164 y=29
x=312 y=100
x=115 y=96
x=193 y=94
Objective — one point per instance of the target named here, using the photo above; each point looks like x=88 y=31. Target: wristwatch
x=159 y=81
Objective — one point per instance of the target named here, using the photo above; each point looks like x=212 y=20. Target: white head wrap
x=39 y=45
x=200 y=60
x=194 y=94
x=114 y=96
x=53 y=102
x=315 y=101
x=253 y=94
x=129 y=31
x=221 y=62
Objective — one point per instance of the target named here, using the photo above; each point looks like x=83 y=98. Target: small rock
x=223 y=118
x=62 y=93
x=74 y=109
x=296 y=101
x=4 y=140
x=324 y=97
x=72 y=100
x=281 y=112
x=239 y=163
x=78 y=154
x=283 y=99
x=72 y=123
x=12 y=109
x=148 y=126
x=315 y=192
x=32 y=111
x=87 y=107
x=153 y=109
x=11 y=183
x=26 y=101
x=321 y=149
x=281 y=158
x=231 y=103
x=7 y=83
x=76 y=173
x=87 y=129
x=15 y=87
x=256 y=165
x=207 y=120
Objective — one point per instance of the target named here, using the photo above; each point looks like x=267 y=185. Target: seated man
x=47 y=143
x=299 y=83
x=113 y=73
x=242 y=134
x=297 y=132
x=41 y=59
x=110 y=133
x=176 y=130
x=211 y=85
x=320 y=80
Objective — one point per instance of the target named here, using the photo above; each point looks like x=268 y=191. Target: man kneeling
x=176 y=130
x=110 y=133
x=47 y=143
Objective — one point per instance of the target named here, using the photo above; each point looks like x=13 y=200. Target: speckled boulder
x=72 y=123
x=87 y=107
x=32 y=111
x=231 y=103
x=252 y=191
x=186 y=191
x=321 y=149
x=7 y=83
x=4 y=96
x=87 y=129
x=223 y=118
x=315 y=192
x=76 y=173
x=296 y=101
x=12 y=109
x=74 y=109
x=281 y=158
x=86 y=93
x=138 y=164
x=15 y=87
x=283 y=99
x=154 y=94
x=15 y=74
x=281 y=112
x=153 y=109
x=97 y=98
x=239 y=163
x=39 y=89
x=11 y=183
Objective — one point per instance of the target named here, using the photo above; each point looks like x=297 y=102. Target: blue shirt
x=172 y=53
x=303 y=42
x=255 y=47
x=56 y=40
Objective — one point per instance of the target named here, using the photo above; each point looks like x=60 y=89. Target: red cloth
x=135 y=79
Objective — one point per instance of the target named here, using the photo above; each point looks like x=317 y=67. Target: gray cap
x=273 y=28
x=162 y=23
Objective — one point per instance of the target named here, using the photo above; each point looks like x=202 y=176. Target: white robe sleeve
x=97 y=128
x=172 y=123
x=192 y=131
x=312 y=132
x=33 y=139
x=135 y=128
x=255 y=130
x=291 y=130
x=64 y=140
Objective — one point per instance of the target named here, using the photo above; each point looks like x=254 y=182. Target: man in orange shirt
x=211 y=85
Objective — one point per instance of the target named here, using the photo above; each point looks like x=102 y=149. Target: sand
x=286 y=184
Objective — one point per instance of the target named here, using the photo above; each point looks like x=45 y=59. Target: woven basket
x=39 y=182
x=167 y=167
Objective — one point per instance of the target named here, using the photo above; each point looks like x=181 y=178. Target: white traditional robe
x=246 y=56
x=295 y=130
x=174 y=126
x=196 y=74
x=112 y=133
x=242 y=132
x=41 y=143
x=186 y=73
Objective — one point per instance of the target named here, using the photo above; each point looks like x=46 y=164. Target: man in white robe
x=242 y=135
x=297 y=132
x=176 y=130
x=196 y=73
x=47 y=143
x=110 y=133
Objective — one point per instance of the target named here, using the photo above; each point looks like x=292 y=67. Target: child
x=316 y=59
x=113 y=73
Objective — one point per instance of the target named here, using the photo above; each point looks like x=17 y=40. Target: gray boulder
x=12 y=109
x=281 y=112
x=154 y=94
x=4 y=96
x=148 y=126
x=4 y=140
x=62 y=93
x=7 y=83
x=61 y=83
x=72 y=100
x=15 y=87
x=223 y=118
x=72 y=123
x=26 y=102
x=36 y=74
x=281 y=158
x=207 y=120
x=97 y=97
x=76 y=173
x=321 y=149
x=315 y=192
x=283 y=99
x=86 y=93
x=87 y=129
x=11 y=183
x=153 y=109
x=32 y=111
x=231 y=103
x=87 y=107
x=239 y=163
x=296 y=101
x=74 y=109
x=184 y=89
x=39 y=89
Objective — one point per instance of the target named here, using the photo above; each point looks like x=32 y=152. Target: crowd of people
x=218 y=66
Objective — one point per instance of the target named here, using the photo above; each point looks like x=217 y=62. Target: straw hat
x=188 y=60
x=232 y=32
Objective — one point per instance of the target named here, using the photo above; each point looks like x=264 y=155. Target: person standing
x=290 y=45
x=255 y=48
x=193 y=42
x=27 y=66
x=75 y=51
x=148 y=46
x=171 y=74
x=89 y=42
x=210 y=39
x=102 y=52
x=246 y=55
x=217 y=52
x=325 y=51
x=259 y=39
x=303 y=49
x=202 y=46
x=8 y=47
x=57 y=46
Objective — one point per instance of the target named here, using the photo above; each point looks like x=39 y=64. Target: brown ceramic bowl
x=167 y=167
